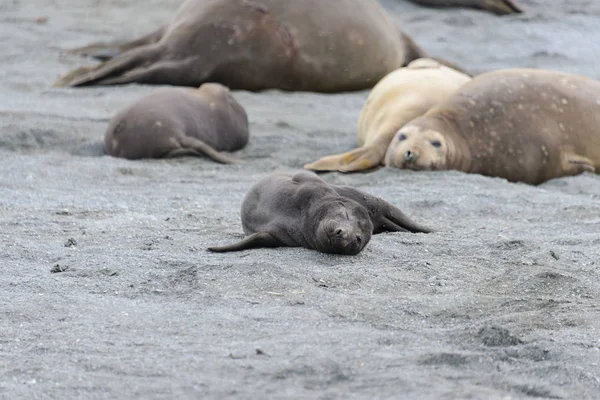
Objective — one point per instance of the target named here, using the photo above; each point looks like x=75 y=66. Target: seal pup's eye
x=436 y=143
x=401 y=137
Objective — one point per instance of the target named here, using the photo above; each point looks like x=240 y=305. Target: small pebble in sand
x=58 y=268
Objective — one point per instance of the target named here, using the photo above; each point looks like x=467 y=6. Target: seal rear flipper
x=116 y=66
x=361 y=159
x=500 y=7
x=393 y=217
x=191 y=146
x=384 y=216
x=106 y=51
x=162 y=72
x=414 y=52
x=256 y=240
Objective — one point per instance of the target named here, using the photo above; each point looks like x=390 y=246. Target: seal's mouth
x=418 y=167
x=346 y=245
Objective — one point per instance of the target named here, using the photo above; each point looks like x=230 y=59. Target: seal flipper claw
x=256 y=240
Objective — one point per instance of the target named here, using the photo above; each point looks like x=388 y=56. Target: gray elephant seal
x=308 y=45
x=524 y=125
x=175 y=122
x=500 y=7
x=302 y=210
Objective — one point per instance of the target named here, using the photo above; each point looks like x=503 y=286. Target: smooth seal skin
x=524 y=125
x=174 y=122
x=302 y=210
x=308 y=45
x=500 y=7
x=397 y=99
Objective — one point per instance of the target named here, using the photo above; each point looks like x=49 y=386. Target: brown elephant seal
x=175 y=122
x=308 y=45
x=524 y=125
x=302 y=210
x=500 y=7
x=398 y=98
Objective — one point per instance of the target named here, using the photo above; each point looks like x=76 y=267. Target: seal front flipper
x=361 y=159
x=256 y=240
x=196 y=147
x=575 y=164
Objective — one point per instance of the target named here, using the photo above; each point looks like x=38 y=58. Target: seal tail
x=106 y=51
x=256 y=240
x=119 y=65
x=191 y=146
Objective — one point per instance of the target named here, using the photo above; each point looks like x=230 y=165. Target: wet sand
x=501 y=302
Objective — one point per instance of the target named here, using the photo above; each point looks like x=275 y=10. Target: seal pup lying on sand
x=308 y=45
x=174 y=122
x=302 y=210
x=398 y=98
x=500 y=7
x=526 y=125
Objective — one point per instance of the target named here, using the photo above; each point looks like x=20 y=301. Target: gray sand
x=501 y=302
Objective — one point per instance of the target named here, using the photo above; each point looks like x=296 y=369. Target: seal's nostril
x=358 y=239
x=338 y=232
x=410 y=156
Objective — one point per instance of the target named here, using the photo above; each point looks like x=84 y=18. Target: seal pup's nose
x=341 y=233
x=410 y=156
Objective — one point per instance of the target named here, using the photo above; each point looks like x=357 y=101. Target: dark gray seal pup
x=500 y=7
x=175 y=122
x=302 y=210
x=309 y=45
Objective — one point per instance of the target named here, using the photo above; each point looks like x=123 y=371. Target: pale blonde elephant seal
x=308 y=45
x=398 y=98
x=173 y=122
x=524 y=125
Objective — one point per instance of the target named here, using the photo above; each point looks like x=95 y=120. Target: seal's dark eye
x=436 y=143
x=401 y=137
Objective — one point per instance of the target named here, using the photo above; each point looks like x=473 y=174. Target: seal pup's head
x=417 y=148
x=343 y=226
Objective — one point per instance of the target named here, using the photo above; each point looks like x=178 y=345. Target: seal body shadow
x=302 y=210
x=175 y=122
x=308 y=45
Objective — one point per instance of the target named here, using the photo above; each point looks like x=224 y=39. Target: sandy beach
x=107 y=290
